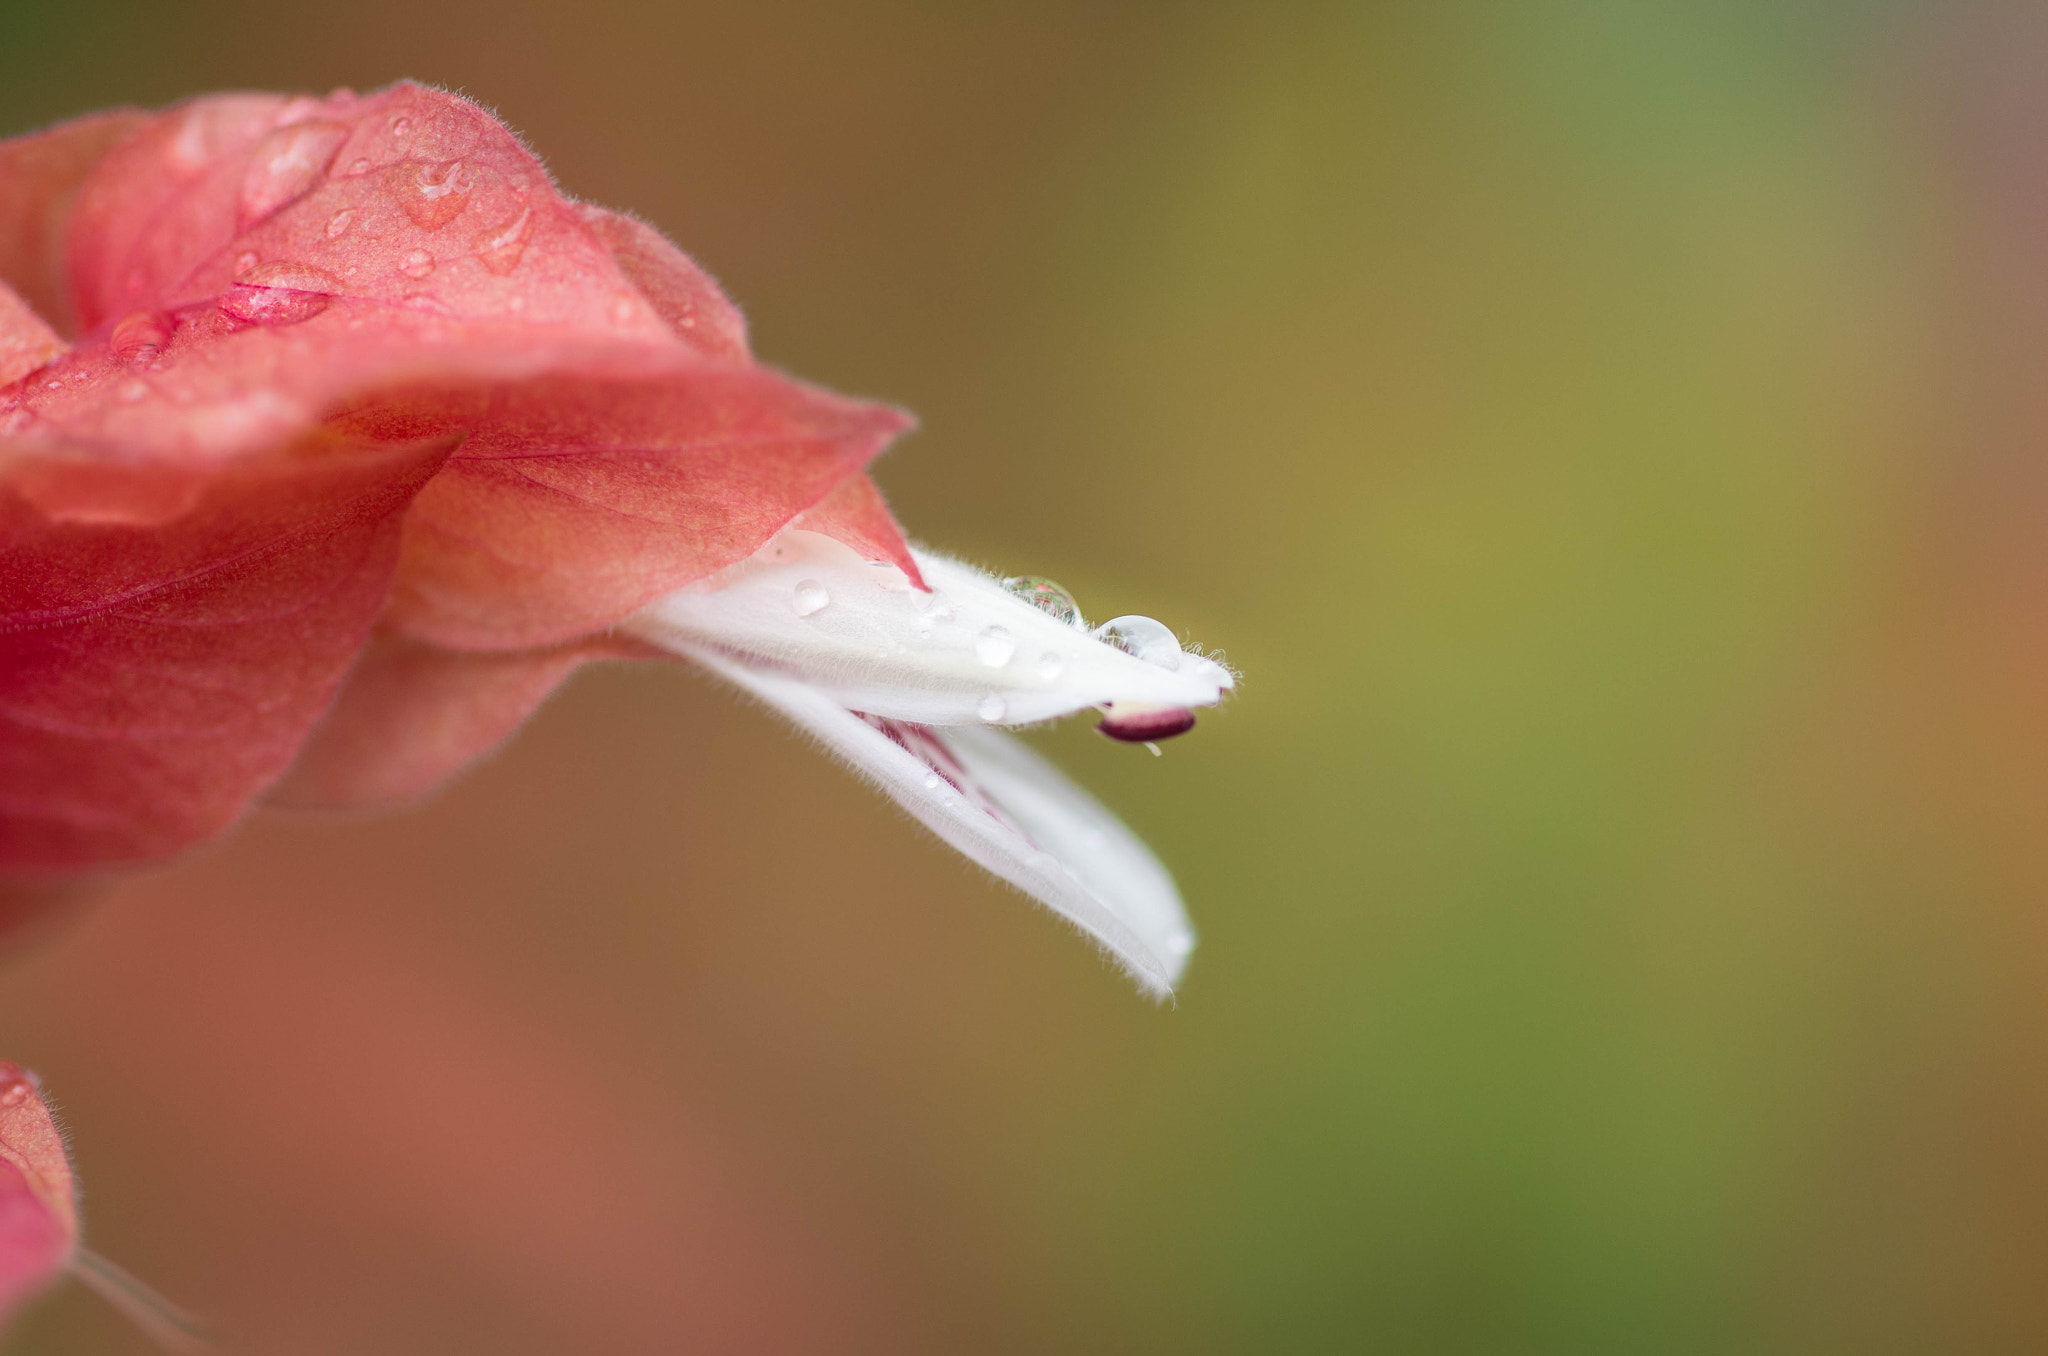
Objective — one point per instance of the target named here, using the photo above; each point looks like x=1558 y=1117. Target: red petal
x=38 y=1214
x=412 y=714
x=153 y=678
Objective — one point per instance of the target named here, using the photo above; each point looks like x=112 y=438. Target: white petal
x=968 y=652
x=1009 y=810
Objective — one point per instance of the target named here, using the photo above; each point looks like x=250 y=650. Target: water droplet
x=1046 y=596
x=285 y=165
x=991 y=708
x=431 y=194
x=1050 y=667
x=500 y=249
x=280 y=294
x=133 y=390
x=1179 y=944
x=339 y=222
x=245 y=261
x=622 y=310
x=418 y=264
x=360 y=165
x=931 y=781
x=400 y=126
x=139 y=339
x=1143 y=638
x=931 y=612
x=810 y=597
x=994 y=647
x=53 y=386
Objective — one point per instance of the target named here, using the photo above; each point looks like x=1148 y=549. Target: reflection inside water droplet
x=1046 y=596
x=280 y=294
x=1143 y=638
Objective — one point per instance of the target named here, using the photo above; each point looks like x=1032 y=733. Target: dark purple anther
x=1146 y=724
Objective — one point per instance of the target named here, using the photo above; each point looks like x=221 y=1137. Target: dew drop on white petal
x=1050 y=667
x=934 y=611
x=810 y=597
x=931 y=781
x=1142 y=638
x=1046 y=596
x=991 y=708
x=994 y=647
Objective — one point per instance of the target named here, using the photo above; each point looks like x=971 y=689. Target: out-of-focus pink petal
x=412 y=714
x=39 y=177
x=26 y=343
x=153 y=678
x=38 y=1214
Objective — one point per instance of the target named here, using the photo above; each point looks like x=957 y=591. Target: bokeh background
x=1608 y=434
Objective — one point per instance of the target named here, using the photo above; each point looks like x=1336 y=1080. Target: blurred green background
x=1608 y=435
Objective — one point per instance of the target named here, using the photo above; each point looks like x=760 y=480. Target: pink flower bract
x=333 y=434
x=38 y=1216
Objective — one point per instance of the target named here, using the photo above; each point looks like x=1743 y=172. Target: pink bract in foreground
x=38 y=1217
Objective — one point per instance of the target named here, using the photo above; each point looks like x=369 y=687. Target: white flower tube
x=903 y=684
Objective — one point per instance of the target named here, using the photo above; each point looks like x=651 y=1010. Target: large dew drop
x=1143 y=638
x=810 y=598
x=286 y=165
x=1046 y=596
x=280 y=294
x=432 y=195
x=994 y=647
x=139 y=340
x=500 y=248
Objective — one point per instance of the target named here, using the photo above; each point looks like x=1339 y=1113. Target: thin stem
x=165 y=1323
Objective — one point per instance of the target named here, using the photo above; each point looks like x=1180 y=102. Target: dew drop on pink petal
x=339 y=222
x=417 y=264
x=286 y=164
x=501 y=249
x=400 y=126
x=431 y=194
x=139 y=340
x=359 y=166
x=280 y=294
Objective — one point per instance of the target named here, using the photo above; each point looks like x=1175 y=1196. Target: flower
x=333 y=438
